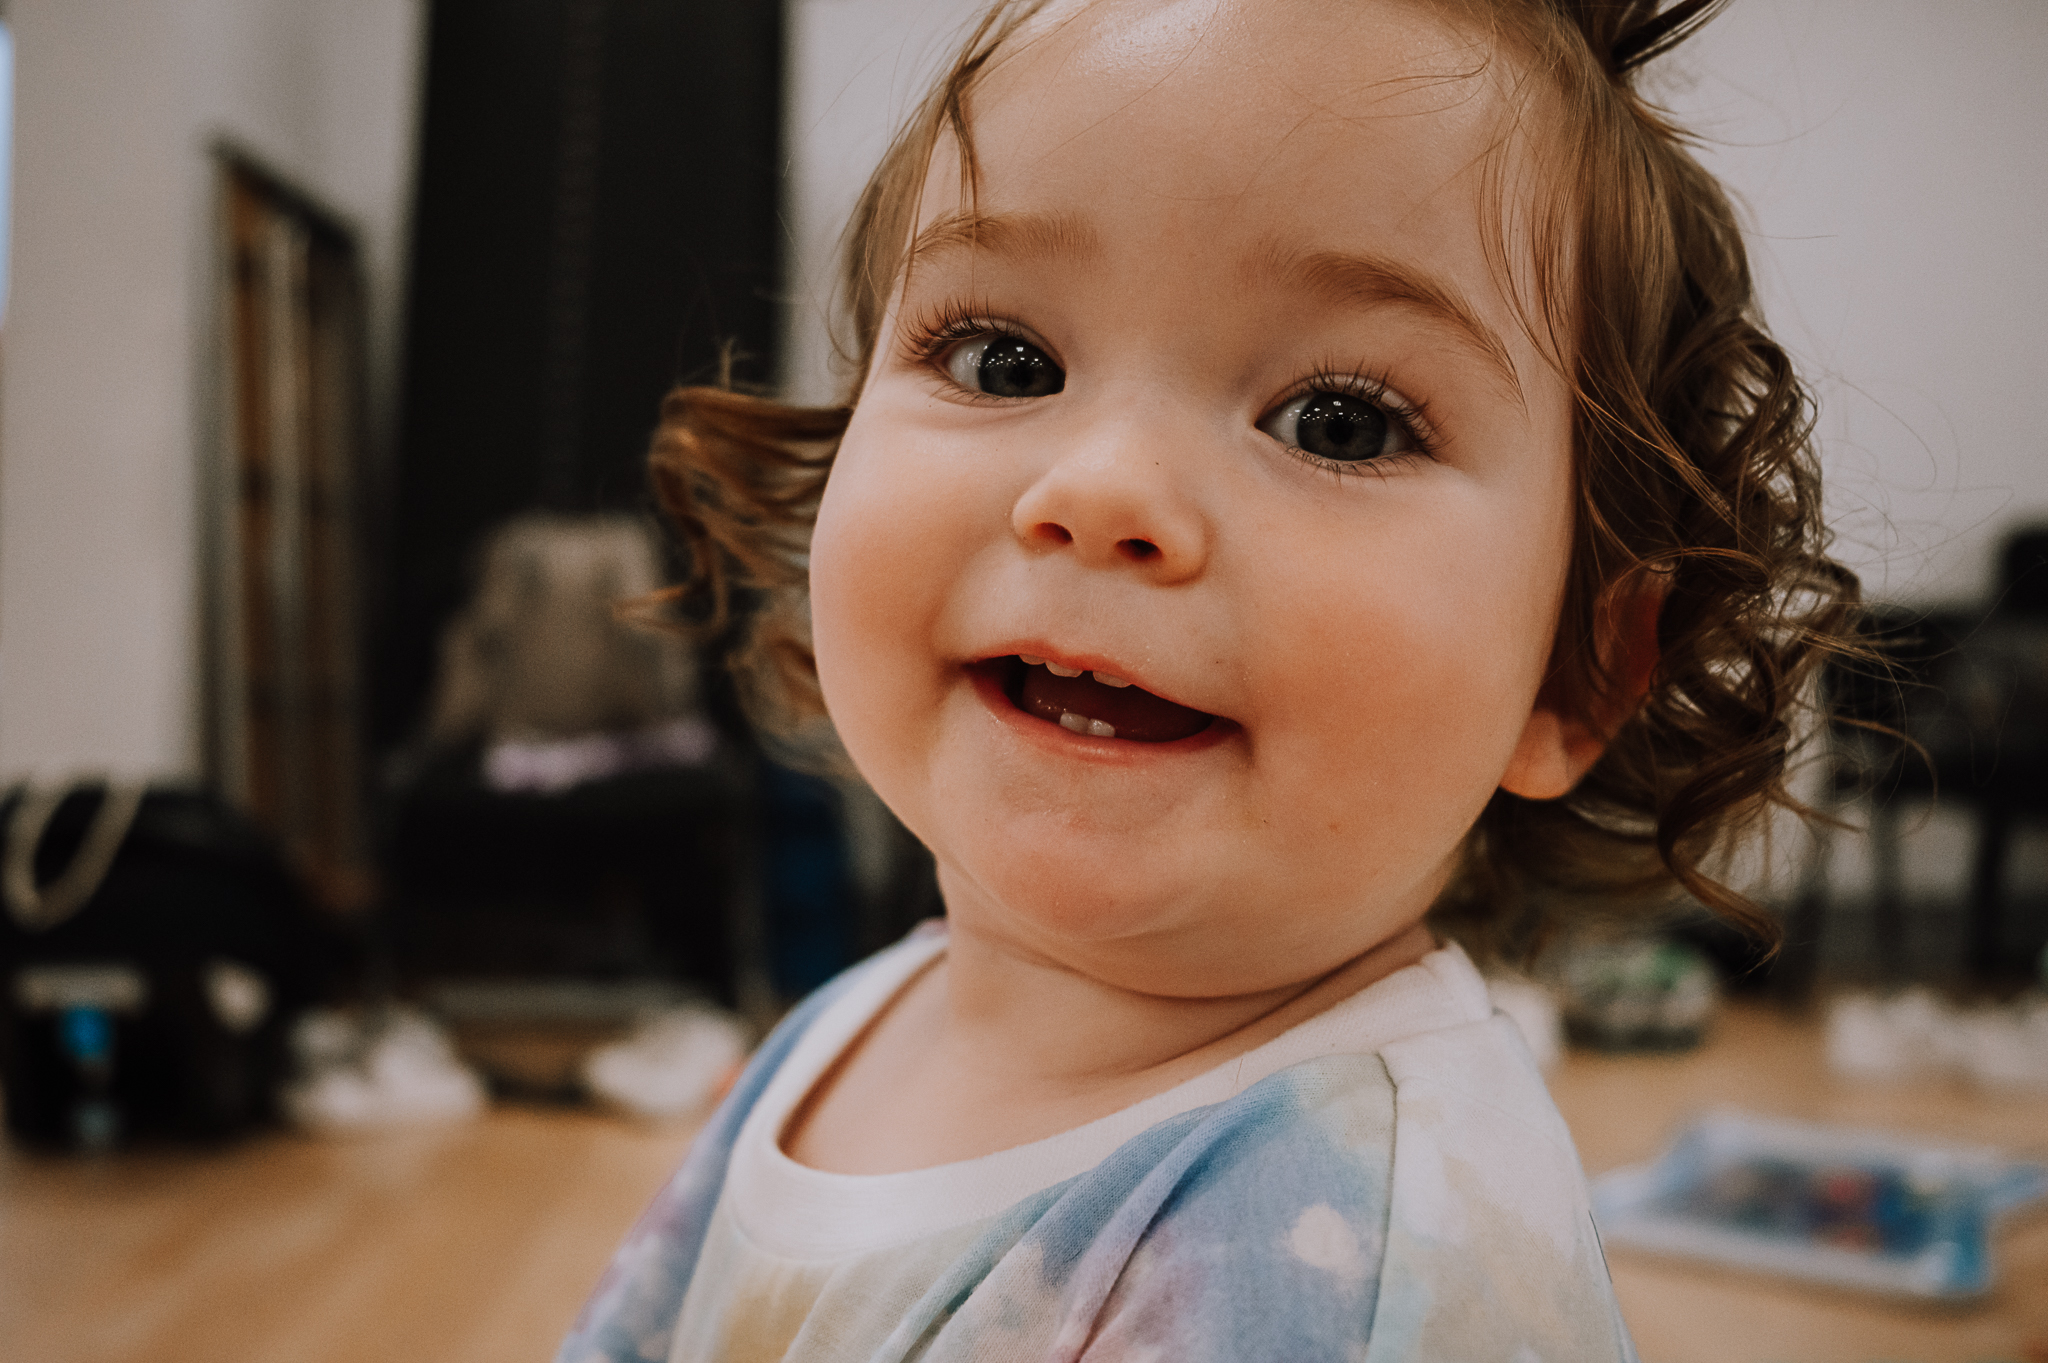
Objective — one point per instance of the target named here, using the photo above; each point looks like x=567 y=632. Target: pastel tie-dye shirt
x=1388 y=1180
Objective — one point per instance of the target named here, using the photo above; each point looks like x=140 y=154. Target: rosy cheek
x=847 y=575
x=1404 y=684
x=876 y=594
x=866 y=569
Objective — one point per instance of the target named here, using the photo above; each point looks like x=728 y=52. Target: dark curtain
x=596 y=217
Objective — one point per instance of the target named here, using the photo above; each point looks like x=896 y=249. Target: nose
x=1117 y=501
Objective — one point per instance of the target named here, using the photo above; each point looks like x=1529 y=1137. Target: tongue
x=1135 y=713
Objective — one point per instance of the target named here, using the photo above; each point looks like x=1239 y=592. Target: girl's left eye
x=1004 y=367
x=1342 y=428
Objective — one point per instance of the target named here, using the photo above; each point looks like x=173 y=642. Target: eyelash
x=1372 y=386
x=927 y=338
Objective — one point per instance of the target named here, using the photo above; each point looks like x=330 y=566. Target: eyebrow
x=1358 y=280
x=1019 y=236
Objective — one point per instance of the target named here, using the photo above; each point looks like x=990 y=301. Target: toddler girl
x=1315 y=489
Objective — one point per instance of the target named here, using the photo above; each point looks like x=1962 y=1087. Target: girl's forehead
x=1319 y=45
x=1221 y=136
x=1223 y=79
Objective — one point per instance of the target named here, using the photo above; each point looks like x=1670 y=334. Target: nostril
x=1138 y=549
x=1054 y=531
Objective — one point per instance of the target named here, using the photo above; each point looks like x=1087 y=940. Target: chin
x=1094 y=891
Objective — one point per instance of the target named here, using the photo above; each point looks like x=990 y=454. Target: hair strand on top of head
x=1643 y=34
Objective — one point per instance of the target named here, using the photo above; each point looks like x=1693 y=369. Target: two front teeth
x=1080 y=724
x=1106 y=678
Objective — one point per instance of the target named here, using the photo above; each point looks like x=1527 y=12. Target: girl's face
x=1215 y=391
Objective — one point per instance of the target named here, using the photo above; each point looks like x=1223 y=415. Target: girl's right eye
x=1004 y=367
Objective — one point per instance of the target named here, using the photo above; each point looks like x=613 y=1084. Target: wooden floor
x=1623 y=1109
x=477 y=1243
x=456 y=1246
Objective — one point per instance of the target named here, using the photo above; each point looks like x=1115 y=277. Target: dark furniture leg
x=1994 y=834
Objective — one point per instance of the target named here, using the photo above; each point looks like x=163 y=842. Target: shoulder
x=1317 y=1134
x=1440 y=1125
x=1422 y=1202
x=1478 y=1082
x=1490 y=1249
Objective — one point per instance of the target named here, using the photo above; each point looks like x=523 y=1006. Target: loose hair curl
x=1696 y=482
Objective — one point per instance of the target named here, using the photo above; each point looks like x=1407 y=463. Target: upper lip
x=1088 y=662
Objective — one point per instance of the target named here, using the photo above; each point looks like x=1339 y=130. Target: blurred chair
x=1950 y=707
x=573 y=810
x=1891 y=739
x=2023 y=576
x=2003 y=689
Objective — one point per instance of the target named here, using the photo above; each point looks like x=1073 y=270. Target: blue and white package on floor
x=1837 y=1206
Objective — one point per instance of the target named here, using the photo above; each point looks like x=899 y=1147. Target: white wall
x=108 y=404
x=326 y=93
x=855 y=68
x=1894 y=154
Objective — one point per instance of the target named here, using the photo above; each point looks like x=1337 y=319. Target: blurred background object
x=1634 y=993
x=284 y=736
x=337 y=330
x=1918 y=1034
x=1836 y=1206
x=540 y=654
x=362 y=1074
x=157 y=951
x=1947 y=717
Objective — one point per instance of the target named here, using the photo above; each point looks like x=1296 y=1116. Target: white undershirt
x=798 y=1212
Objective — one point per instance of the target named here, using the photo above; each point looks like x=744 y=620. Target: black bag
x=153 y=950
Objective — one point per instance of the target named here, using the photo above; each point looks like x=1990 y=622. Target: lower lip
x=1108 y=751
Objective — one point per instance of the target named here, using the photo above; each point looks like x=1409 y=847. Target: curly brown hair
x=1697 y=482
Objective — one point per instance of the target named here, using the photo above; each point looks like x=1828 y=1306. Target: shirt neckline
x=794 y=1211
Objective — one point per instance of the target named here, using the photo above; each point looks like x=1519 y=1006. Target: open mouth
x=1094 y=704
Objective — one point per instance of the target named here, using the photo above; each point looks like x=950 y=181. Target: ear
x=1561 y=741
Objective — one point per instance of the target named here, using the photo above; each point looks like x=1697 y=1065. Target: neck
x=1058 y=1026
